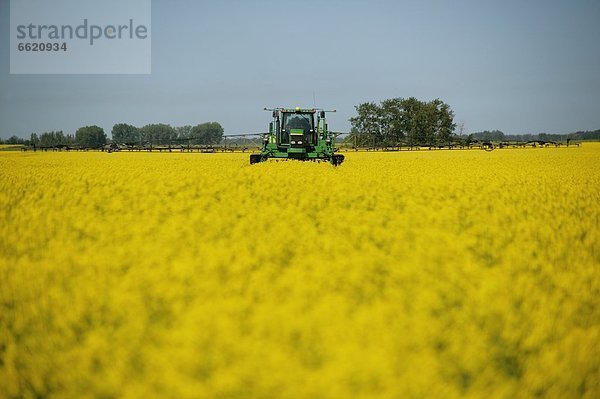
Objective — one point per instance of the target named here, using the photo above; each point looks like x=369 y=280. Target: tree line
x=86 y=136
x=389 y=123
x=498 y=135
x=122 y=133
x=204 y=133
x=402 y=120
x=409 y=121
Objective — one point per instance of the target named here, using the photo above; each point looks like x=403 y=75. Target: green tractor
x=293 y=134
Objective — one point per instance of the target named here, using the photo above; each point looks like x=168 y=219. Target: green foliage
x=53 y=139
x=122 y=133
x=157 y=133
x=497 y=135
x=586 y=135
x=90 y=136
x=399 y=120
x=183 y=132
x=34 y=140
x=578 y=136
x=391 y=118
x=368 y=120
x=207 y=133
x=14 y=140
x=487 y=135
x=162 y=134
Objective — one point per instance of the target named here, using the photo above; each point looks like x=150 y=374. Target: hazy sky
x=517 y=66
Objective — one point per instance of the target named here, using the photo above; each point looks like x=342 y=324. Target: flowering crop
x=442 y=274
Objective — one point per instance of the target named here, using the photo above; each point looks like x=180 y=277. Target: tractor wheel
x=337 y=159
x=255 y=158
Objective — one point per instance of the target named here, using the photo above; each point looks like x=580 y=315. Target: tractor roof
x=299 y=110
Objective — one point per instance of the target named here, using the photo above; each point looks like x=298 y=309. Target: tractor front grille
x=297 y=141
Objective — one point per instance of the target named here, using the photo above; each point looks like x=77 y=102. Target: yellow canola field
x=426 y=274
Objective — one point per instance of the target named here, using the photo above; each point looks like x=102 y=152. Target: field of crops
x=426 y=274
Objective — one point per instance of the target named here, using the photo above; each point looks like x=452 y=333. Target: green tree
x=414 y=120
x=391 y=120
x=123 y=133
x=357 y=139
x=398 y=119
x=158 y=133
x=443 y=121
x=14 y=140
x=90 y=136
x=489 y=135
x=368 y=122
x=53 y=139
x=207 y=133
x=183 y=132
x=34 y=140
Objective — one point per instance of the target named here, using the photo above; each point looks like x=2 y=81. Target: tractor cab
x=297 y=130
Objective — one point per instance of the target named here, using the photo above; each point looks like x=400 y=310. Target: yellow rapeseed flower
x=426 y=274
